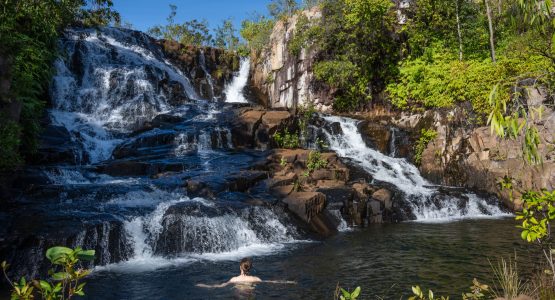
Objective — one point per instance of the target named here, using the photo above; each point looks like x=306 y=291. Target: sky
x=144 y=14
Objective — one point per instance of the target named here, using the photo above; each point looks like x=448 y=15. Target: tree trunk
x=490 y=25
x=459 y=30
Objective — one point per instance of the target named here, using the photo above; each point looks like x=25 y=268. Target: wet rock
x=283 y=191
x=57 y=147
x=375 y=135
x=306 y=204
x=242 y=181
x=384 y=196
x=255 y=128
x=310 y=207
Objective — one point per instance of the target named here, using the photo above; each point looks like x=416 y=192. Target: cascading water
x=109 y=82
x=234 y=90
x=424 y=199
x=202 y=62
x=392 y=140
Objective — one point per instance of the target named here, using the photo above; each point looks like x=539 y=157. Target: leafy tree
x=282 y=8
x=257 y=32
x=358 y=49
x=192 y=32
x=226 y=37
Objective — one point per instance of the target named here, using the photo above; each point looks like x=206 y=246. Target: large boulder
x=310 y=208
x=255 y=128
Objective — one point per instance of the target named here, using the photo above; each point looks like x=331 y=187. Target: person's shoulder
x=254 y=279
x=235 y=279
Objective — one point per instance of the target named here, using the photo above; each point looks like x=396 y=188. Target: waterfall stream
x=234 y=90
x=426 y=202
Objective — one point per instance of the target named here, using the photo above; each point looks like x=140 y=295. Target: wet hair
x=246 y=265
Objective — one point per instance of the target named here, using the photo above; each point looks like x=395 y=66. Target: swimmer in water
x=244 y=279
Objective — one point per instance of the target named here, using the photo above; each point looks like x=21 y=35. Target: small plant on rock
x=286 y=139
x=426 y=136
x=315 y=162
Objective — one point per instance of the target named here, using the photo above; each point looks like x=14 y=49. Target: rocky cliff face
x=476 y=159
x=281 y=79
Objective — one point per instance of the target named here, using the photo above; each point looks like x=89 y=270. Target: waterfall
x=186 y=229
x=109 y=82
x=392 y=140
x=426 y=201
x=202 y=62
x=234 y=90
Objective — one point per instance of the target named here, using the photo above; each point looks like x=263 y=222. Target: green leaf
x=345 y=293
x=86 y=255
x=355 y=293
x=45 y=286
x=524 y=234
x=57 y=255
x=60 y=276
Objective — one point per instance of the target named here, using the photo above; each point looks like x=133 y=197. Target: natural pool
x=385 y=260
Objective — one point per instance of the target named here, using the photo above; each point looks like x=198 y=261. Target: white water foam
x=108 y=84
x=226 y=237
x=234 y=90
x=406 y=177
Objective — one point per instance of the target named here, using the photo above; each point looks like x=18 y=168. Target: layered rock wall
x=475 y=158
x=281 y=79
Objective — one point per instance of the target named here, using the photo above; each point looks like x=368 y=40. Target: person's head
x=245 y=265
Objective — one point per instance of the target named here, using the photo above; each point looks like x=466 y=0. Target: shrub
x=426 y=136
x=315 y=161
x=286 y=139
x=9 y=145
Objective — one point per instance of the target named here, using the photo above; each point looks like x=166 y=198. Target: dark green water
x=384 y=260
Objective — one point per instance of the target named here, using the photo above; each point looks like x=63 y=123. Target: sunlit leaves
x=537 y=214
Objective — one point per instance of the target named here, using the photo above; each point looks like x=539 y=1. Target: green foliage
x=539 y=16
x=305 y=114
x=193 y=32
x=346 y=295
x=304 y=35
x=439 y=79
x=477 y=291
x=315 y=161
x=283 y=162
x=358 y=54
x=10 y=133
x=536 y=216
x=257 y=33
x=419 y=295
x=282 y=8
x=426 y=136
x=226 y=37
x=286 y=139
x=66 y=276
